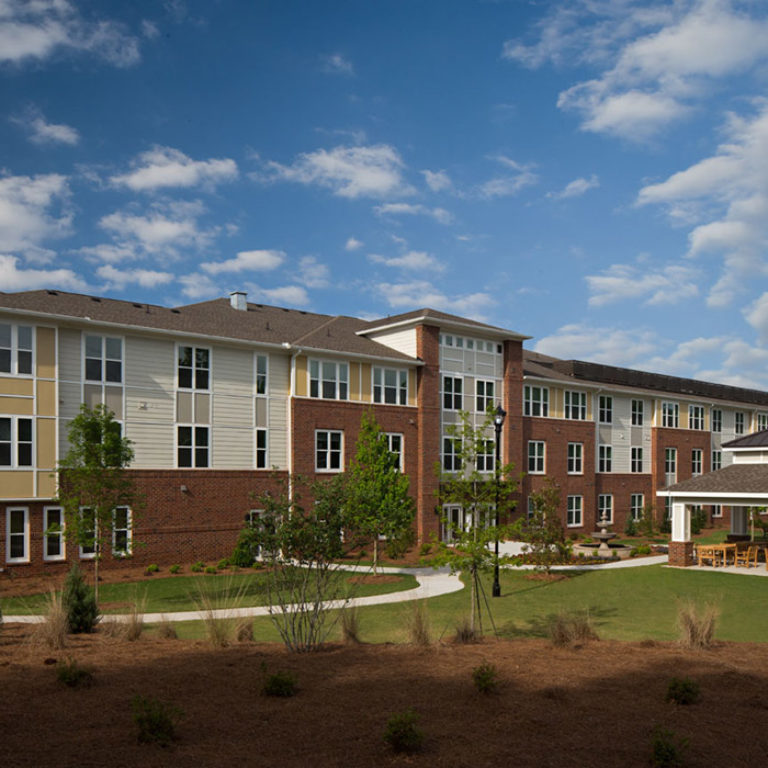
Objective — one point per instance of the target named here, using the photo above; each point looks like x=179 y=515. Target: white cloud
x=198 y=286
x=119 y=278
x=109 y=253
x=510 y=184
x=576 y=188
x=287 y=295
x=162 y=167
x=421 y=293
x=757 y=316
x=250 y=261
x=38 y=29
x=407 y=209
x=337 y=64
x=40 y=131
x=26 y=218
x=312 y=273
x=353 y=244
x=372 y=171
x=413 y=260
x=621 y=282
x=12 y=278
x=437 y=181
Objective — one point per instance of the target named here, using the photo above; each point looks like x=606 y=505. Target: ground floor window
x=457 y=520
x=575 y=511
x=605 y=508
x=17 y=535
x=87 y=534
x=636 y=505
x=121 y=531
x=717 y=510
x=53 y=531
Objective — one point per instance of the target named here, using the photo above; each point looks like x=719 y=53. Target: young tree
x=471 y=549
x=377 y=503
x=93 y=482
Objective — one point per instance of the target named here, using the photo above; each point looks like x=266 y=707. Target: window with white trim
x=122 y=535
x=261 y=374
x=574 y=513
x=717 y=420
x=605 y=508
x=53 y=534
x=695 y=417
x=104 y=359
x=739 y=423
x=761 y=420
x=535 y=401
x=575 y=405
x=636 y=506
x=395 y=446
x=717 y=460
x=575 y=458
x=636 y=459
x=329 y=450
x=261 y=449
x=390 y=386
x=670 y=415
x=16 y=442
x=452 y=388
x=696 y=461
x=451 y=454
x=16 y=349
x=87 y=534
x=670 y=461
x=717 y=510
x=486 y=456
x=604 y=458
x=16 y=535
x=192 y=446
x=194 y=368
x=605 y=409
x=328 y=380
x=638 y=413
x=483 y=395
x=536 y=457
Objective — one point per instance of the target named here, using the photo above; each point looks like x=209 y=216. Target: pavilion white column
x=739 y=518
x=681 y=521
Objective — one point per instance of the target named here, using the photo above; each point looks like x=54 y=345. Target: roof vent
x=238 y=300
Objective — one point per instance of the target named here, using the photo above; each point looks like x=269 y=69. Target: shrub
x=79 y=603
x=52 y=631
x=486 y=678
x=223 y=564
x=71 y=674
x=211 y=569
x=281 y=684
x=175 y=568
x=698 y=521
x=630 y=529
x=243 y=555
x=643 y=549
x=197 y=567
x=683 y=690
x=425 y=548
x=697 y=627
x=667 y=751
x=402 y=733
x=568 y=629
x=152 y=568
x=418 y=624
x=464 y=632
x=134 y=624
x=155 y=719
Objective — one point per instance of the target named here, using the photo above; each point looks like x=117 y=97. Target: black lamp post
x=498 y=422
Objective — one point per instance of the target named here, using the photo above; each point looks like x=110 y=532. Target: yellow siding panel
x=46 y=398
x=17 y=485
x=46 y=443
x=556 y=402
x=365 y=383
x=354 y=381
x=46 y=485
x=412 y=386
x=46 y=353
x=301 y=376
x=17 y=387
x=17 y=405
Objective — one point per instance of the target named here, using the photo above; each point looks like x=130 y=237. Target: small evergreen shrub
x=425 y=548
x=79 y=602
x=486 y=678
x=643 y=549
x=155 y=719
x=152 y=568
x=282 y=684
x=402 y=733
x=71 y=674
x=683 y=690
x=211 y=569
x=243 y=554
x=197 y=567
x=223 y=564
x=667 y=751
x=630 y=529
x=175 y=568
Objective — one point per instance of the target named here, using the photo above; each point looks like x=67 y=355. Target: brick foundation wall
x=681 y=553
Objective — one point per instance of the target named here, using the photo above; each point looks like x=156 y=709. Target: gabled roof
x=734 y=479
x=754 y=440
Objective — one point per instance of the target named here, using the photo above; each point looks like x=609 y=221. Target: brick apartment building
x=218 y=396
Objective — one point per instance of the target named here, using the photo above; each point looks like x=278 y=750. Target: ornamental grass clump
x=53 y=630
x=696 y=625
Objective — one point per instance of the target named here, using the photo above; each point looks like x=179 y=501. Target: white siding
x=233 y=411
x=402 y=341
x=232 y=448
x=233 y=371
x=70 y=367
x=153 y=444
x=279 y=386
x=150 y=363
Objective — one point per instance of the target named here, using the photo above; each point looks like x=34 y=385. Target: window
x=638 y=410
x=104 y=359
x=15 y=349
x=484 y=399
x=535 y=401
x=261 y=449
x=670 y=415
x=636 y=506
x=717 y=510
x=486 y=456
x=604 y=458
x=636 y=459
x=261 y=374
x=193 y=446
x=15 y=442
x=194 y=367
x=531 y=509
x=53 y=532
x=696 y=461
x=576 y=405
x=762 y=421
x=328 y=445
x=451 y=454
x=605 y=409
x=452 y=393
x=717 y=460
x=328 y=380
x=605 y=508
x=87 y=534
x=574 y=513
x=536 y=449
x=695 y=417
x=670 y=461
x=395 y=445
x=121 y=531
x=390 y=385
x=717 y=420
x=17 y=535
x=575 y=458
x=739 y=423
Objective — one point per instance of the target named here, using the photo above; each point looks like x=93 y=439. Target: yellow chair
x=747 y=557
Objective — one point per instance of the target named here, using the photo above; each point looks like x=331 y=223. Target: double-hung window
x=104 y=359
x=395 y=446
x=695 y=417
x=638 y=412
x=575 y=506
x=536 y=457
x=535 y=401
x=696 y=461
x=484 y=398
x=605 y=409
x=717 y=420
x=604 y=458
x=261 y=374
x=452 y=388
x=16 y=349
x=762 y=421
x=194 y=368
x=575 y=458
x=390 y=386
x=261 y=448
x=17 y=535
x=87 y=534
x=486 y=455
x=575 y=405
x=53 y=532
x=636 y=506
x=328 y=450
x=121 y=531
x=717 y=460
x=636 y=459
x=328 y=380
x=604 y=508
x=739 y=422
x=670 y=463
x=15 y=442
x=670 y=415
x=193 y=445
x=451 y=454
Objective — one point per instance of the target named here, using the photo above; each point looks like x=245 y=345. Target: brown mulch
x=592 y=706
x=379 y=578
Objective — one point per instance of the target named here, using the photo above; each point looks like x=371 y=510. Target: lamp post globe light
x=498 y=423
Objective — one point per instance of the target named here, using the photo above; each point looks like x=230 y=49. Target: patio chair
x=746 y=557
x=708 y=552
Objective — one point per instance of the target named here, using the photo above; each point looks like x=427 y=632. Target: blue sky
x=593 y=173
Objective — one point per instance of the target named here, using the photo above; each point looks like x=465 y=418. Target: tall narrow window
x=636 y=506
x=121 y=532
x=670 y=415
x=486 y=456
x=390 y=386
x=17 y=535
x=739 y=422
x=452 y=393
x=53 y=532
x=605 y=508
x=535 y=401
x=696 y=461
x=638 y=413
x=636 y=460
x=395 y=445
x=451 y=454
x=670 y=463
x=484 y=398
x=575 y=405
x=717 y=460
x=575 y=458
x=261 y=449
x=605 y=409
x=574 y=511
x=87 y=533
x=15 y=349
x=717 y=420
x=536 y=453
x=194 y=368
x=604 y=458
x=261 y=374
